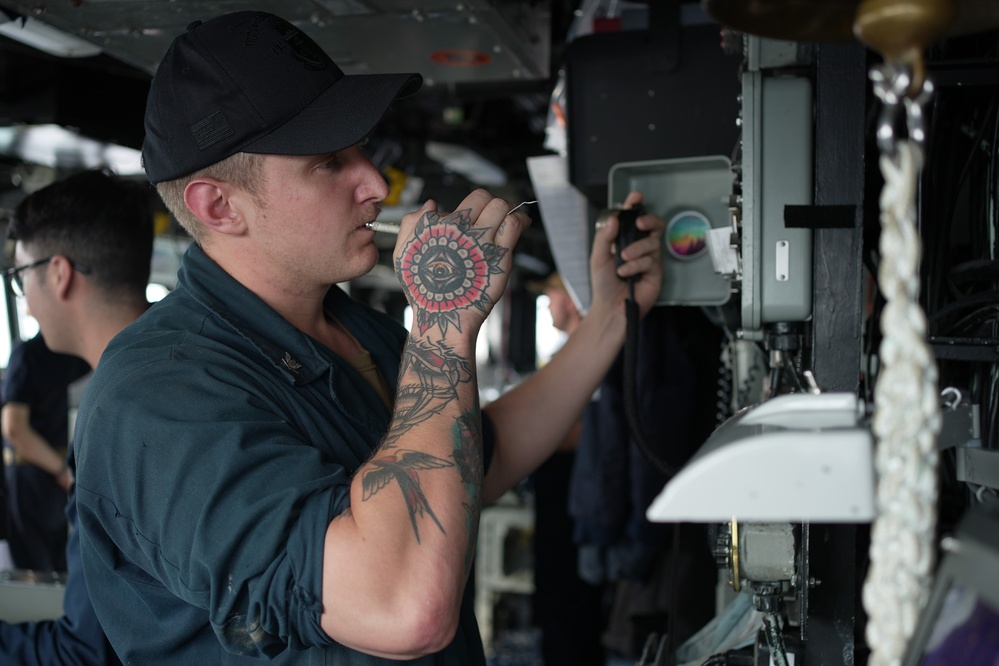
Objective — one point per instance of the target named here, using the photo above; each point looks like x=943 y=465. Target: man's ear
x=210 y=202
x=61 y=273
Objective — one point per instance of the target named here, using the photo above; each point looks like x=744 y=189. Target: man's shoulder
x=176 y=345
x=27 y=349
x=32 y=367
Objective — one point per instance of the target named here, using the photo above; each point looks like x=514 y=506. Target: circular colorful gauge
x=686 y=234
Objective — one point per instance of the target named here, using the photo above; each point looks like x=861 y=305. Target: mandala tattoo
x=402 y=466
x=445 y=268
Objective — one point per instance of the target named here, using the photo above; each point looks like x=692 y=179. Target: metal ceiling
x=448 y=41
x=486 y=66
x=486 y=63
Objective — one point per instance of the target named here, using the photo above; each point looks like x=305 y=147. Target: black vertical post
x=838 y=553
x=840 y=164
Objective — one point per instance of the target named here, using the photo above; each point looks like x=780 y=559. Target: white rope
x=905 y=424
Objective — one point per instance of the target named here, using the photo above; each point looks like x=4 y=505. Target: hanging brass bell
x=834 y=20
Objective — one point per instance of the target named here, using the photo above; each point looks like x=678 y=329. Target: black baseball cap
x=253 y=82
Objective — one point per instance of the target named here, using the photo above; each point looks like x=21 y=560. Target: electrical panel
x=777 y=160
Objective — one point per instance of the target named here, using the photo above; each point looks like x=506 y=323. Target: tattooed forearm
x=402 y=466
x=468 y=460
x=431 y=375
x=445 y=268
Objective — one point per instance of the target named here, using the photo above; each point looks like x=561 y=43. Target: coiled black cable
x=631 y=386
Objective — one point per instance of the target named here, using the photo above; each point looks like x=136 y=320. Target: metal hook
x=915 y=119
x=892 y=84
x=951 y=397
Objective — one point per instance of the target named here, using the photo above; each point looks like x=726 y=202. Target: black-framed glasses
x=14 y=275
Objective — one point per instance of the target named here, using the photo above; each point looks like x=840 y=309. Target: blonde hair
x=244 y=170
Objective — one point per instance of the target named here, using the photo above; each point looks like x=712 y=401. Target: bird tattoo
x=402 y=466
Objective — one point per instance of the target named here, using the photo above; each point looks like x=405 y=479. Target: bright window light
x=52 y=145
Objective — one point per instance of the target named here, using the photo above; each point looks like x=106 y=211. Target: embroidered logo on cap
x=296 y=43
x=304 y=50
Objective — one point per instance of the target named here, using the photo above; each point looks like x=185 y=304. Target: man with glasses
x=82 y=262
x=16 y=274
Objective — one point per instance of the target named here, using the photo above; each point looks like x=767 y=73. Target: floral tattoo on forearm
x=445 y=268
x=438 y=371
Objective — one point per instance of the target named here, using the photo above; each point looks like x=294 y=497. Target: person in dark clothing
x=35 y=424
x=662 y=575
x=6 y=561
x=568 y=610
x=82 y=261
x=281 y=471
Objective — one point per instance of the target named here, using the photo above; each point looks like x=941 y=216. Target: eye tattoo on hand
x=445 y=268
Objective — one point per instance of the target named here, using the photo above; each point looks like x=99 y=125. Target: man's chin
x=365 y=261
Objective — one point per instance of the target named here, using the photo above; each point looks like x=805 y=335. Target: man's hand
x=65 y=479
x=643 y=259
x=454 y=266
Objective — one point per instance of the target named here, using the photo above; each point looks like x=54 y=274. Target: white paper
x=564 y=211
x=724 y=258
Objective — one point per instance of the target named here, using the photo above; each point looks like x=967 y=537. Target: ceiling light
x=45 y=38
x=468 y=163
